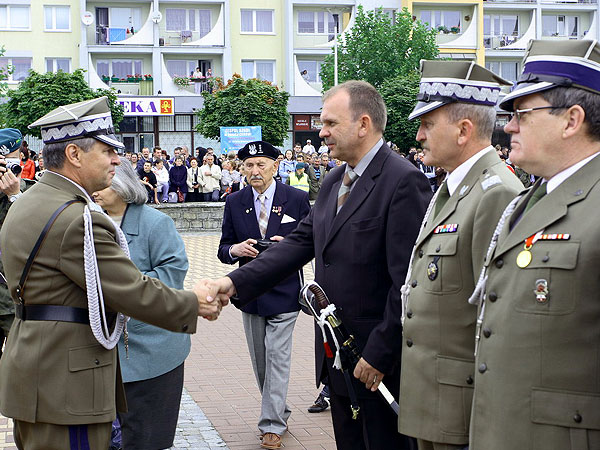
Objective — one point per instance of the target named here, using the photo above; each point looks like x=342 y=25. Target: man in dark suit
x=360 y=231
x=266 y=209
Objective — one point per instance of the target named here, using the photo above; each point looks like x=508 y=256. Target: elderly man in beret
x=263 y=213
x=69 y=274
x=537 y=358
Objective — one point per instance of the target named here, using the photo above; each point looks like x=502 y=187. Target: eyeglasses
x=518 y=113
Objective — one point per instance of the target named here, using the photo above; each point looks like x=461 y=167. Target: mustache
x=256 y=177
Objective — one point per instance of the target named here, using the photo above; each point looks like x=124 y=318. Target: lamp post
x=335 y=50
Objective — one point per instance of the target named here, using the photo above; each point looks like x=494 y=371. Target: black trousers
x=376 y=427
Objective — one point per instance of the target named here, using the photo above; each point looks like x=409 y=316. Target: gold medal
x=523 y=259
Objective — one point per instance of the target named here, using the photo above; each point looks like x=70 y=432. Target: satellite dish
x=156 y=17
x=87 y=18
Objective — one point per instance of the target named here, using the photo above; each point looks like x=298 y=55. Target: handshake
x=213 y=295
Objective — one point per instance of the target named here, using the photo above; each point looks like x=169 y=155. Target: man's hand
x=10 y=184
x=209 y=302
x=244 y=249
x=277 y=238
x=368 y=374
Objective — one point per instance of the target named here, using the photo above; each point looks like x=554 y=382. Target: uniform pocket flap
x=455 y=371
x=443 y=245
x=88 y=357
x=566 y=409
x=554 y=254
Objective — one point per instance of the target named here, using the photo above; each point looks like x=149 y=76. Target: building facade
x=149 y=49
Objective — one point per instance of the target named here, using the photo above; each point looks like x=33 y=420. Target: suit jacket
x=239 y=224
x=437 y=358
x=56 y=372
x=158 y=251
x=537 y=384
x=361 y=258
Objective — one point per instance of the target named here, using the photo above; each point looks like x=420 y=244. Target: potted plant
x=181 y=82
x=130 y=79
x=105 y=78
x=443 y=30
x=455 y=30
x=148 y=77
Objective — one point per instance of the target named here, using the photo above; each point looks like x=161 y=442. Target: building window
x=391 y=13
x=263 y=70
x=505 y=69
x=15 y=18
x=313 y=70
x=118 y=68
x=443 y=21
x=55 y=64
x=499 y=31
x=564 y=26
x=188 y=20
x=180 y=68
x=57 y=18
x=126 y=18
x=315 y=22
x=20 y=66
x=258 y=21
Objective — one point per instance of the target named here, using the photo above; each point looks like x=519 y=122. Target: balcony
x=136 y=86
x=499 y=42
x=510 y=1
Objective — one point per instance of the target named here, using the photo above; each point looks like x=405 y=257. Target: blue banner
x=234 y=138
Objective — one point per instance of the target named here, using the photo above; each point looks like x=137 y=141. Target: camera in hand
x=263 y=244
x=13 y=164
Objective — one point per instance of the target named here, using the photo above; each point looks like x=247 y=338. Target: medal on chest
x=524 y=257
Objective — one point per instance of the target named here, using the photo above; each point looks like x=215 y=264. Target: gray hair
x=589 y=101
x=482 y=116
x=364 y=99
x=54 y=154
x=126 y=184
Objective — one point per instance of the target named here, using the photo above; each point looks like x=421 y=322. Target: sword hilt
x=319 y=294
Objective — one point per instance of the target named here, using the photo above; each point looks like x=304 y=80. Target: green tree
x=399 y=94
x=245 y=103
x=4 y=73
x=378 y=48
x=39 y=94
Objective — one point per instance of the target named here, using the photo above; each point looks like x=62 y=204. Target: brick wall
x=195 y=217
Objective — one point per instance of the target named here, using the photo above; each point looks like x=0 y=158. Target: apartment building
x=147 y=49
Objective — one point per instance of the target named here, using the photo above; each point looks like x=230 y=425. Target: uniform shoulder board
x=489 y=182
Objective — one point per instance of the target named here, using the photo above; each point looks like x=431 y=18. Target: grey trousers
x=270 y=345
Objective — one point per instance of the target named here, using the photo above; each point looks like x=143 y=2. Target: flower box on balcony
x=115 y=79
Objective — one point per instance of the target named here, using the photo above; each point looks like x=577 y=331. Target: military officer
x=456 y=110
x=68 y=273
x=537 y=379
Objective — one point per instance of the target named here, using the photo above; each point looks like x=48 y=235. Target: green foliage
x=39 y=94
x=376 y=48
x=400 y=95
x=245 y=103
x=4 y=73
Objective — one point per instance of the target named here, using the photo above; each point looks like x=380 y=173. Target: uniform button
x=421 y=253
x=327 y=264
x=493 y=296
x=409 y=314
x=482 y=368
x=438 y=248
x=487 y=332
x=546 y=258
x=577 y=417
x=414 y=283
x=97 y=362
x=469 y=379
x=409 y=343
x=499 y=263
x=184 y=327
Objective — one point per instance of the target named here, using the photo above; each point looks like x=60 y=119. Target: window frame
x=8 y=16
x=10 y=63
x=254 y=29
x=319 y=63
x=55 y=64
x=442 y=24
x=113 y=60
x=499 y=73
x=327 y=19
x=57 y=30
x=254 y=61
x=565 y=18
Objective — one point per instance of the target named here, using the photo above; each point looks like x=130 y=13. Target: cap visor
x=110 y=139
x=423 y=108
x=525 y=89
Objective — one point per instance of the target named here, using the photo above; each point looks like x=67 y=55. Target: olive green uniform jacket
x=439 y=329
x=537 y=385
x=56 y=372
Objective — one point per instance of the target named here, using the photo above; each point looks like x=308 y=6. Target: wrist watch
x=14 y=197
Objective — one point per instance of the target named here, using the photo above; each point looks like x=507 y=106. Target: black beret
x=258 y=148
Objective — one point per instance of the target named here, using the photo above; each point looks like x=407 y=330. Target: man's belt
x=58 y=313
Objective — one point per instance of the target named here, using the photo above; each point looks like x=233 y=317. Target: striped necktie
x=263 y=219
x=349 y=178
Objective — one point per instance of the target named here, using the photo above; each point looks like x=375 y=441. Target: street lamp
x=335 y=49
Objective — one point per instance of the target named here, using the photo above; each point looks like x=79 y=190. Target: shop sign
x=302 y=122
x=147 y=106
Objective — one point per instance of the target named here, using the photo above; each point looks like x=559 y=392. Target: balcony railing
x=510 y=1
x=498 y=42
x=109 y=35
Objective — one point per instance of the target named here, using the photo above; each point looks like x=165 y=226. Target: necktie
x=349 y=177
x=442 y=198
x=263 y=219
x=537 y=195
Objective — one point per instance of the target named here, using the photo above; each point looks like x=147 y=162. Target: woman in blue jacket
x=287 y=166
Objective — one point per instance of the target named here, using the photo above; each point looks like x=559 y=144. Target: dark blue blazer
x=239 y=224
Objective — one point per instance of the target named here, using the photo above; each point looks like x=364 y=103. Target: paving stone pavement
x=221 y=402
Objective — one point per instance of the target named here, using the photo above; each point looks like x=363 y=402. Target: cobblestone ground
x=221 y=402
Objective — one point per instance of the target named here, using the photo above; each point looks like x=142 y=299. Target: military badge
x=276 y=210
x=448 y=228
x=433 y=269
x=541 y=291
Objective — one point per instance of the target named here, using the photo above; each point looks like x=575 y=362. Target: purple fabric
x=178 y=179
x=577 y=73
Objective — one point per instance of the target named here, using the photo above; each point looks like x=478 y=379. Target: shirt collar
x=268 y=193
x=455 y=178
x=557 y=179
x=366 y=160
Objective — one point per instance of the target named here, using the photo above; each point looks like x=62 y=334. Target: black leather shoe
x=321 y=404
